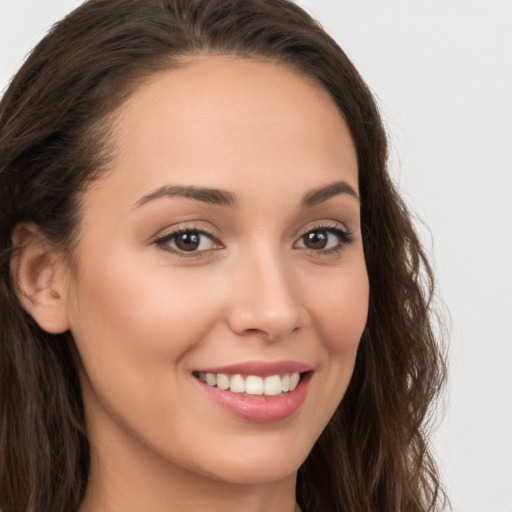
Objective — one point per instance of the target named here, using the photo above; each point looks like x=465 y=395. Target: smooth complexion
x=265 y=266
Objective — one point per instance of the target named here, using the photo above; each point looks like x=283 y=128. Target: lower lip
x=259 y=408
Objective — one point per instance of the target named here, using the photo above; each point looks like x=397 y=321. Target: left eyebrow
x=206 y=195
x=322 y=194
x=225 y=198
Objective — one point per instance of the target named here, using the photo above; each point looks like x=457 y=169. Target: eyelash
x=344 y=236
x=163 y=241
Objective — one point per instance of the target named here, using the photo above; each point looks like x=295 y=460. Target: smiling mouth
x=252 y=385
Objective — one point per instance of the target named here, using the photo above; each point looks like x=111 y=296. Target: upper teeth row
x=252 y=384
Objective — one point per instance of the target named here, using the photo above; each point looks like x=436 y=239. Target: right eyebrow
x=322 y=194
x=206 y=195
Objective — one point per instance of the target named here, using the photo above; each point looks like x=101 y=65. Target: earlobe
x=36 y=279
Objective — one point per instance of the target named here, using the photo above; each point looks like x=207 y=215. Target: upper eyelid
x=326 y=225
x=343 y=231
x=330 y=224
x=345 y=238
x=169 y=233
x=161 y=241
x=177 y=230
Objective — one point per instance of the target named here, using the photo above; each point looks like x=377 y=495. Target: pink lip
x=258 y=408
x=261 y=368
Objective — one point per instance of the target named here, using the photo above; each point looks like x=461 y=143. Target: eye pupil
x=188 y=241
x=316 y=239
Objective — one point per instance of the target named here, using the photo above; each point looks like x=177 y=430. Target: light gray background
x=442 y=73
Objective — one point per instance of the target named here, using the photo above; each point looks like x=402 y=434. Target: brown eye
x=316 y=239
x=324 y=239
x=187 y=241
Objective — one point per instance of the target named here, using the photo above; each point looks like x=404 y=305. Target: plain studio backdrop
x=442 y=73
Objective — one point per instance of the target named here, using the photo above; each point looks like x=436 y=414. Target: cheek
x=130 y=300
x=340 y=309
x=137 y=320
x=134 y=327
x=340 y=314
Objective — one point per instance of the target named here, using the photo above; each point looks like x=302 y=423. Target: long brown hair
x=54 y=139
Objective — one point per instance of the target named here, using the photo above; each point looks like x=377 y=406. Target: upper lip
x=261 y=368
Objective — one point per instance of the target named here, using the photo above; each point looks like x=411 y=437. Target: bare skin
x=147 y=311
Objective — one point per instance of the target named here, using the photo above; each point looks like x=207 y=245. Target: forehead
x=220 y=120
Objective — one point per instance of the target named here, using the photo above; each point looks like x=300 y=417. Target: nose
x=265 y=299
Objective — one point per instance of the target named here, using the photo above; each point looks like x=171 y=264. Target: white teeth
x=254 y=385
x=237 y=384
x=285 y=383
x=272 y=385
x=294 y=380
x=222 y=381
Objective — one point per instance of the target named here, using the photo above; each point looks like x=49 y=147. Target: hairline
x=104 y=128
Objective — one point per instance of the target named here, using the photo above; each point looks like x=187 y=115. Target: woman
x=212 y=295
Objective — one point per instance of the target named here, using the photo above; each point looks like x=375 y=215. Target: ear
x=38 y=282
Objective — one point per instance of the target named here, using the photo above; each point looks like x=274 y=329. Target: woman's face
x=224 y=239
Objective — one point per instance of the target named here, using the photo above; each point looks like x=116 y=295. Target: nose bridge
x=264 y=298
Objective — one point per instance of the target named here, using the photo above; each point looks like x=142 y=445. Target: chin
x=262 y=463
x=257 y=472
